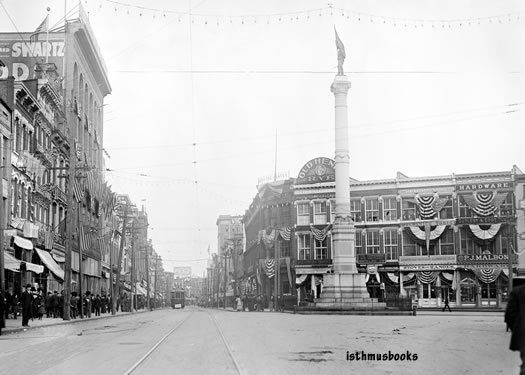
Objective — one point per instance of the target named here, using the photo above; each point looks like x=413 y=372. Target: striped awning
x=23 y=243
x=50 y=263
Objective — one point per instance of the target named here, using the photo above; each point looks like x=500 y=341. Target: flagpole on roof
x=47 y=35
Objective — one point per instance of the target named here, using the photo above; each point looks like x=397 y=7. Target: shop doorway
x=429 y=296
x=488 y=294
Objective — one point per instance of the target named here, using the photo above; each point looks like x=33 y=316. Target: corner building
x=424 y=237
x=427 y=238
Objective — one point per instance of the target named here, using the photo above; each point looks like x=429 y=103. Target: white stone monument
x=345 y=288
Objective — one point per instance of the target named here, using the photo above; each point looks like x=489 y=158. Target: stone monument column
x=345 y=288
x=343 y=232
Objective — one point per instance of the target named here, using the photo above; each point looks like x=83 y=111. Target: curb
x=7 y=331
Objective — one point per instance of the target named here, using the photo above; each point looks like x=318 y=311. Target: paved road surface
x=199 y=341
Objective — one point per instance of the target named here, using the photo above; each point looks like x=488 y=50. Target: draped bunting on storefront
x=318 y=280
x=427 y=277
x=448 y=275
x=395 y=278
x=269 y=267
x=487 y=275
x=485 y=203
x=485 y=232
x=285 y=233
x=433 y=234
x=429 y=206
x=320 y=234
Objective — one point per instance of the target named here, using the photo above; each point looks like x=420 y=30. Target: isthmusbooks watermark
x=364 y=356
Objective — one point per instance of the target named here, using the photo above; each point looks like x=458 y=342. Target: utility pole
x=510 y=252
x=217 y=269
x=225 y=275
x=147 y=276
x=276 y=276
x=155 y=282
x=79 y=243
x=119 y=264
x=132 y=271
x=70 y=197
x=111 y=287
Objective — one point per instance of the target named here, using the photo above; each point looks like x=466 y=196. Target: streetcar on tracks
x=178 y=299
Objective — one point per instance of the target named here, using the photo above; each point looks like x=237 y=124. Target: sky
x=438 y=87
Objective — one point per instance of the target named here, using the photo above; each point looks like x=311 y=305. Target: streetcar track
x=236 y=364
x=148 y=354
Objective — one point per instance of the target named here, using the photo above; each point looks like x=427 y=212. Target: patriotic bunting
x=285 y=233
x=488 y=275
x=429 y=206
x=433 y=234
x=269 y=267
x=485 y=203
x=485 y=234
x=427 y=277
x=320 y=234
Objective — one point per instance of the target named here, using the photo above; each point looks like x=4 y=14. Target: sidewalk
x=15 y=325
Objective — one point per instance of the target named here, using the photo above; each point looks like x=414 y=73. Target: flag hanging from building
x=42 y=28
x=83 y=239
x=77 y=191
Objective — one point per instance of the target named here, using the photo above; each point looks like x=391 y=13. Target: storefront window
x=359 y=242
x=464 y=209
x=372 y=209
x=447 y=210
x=409 y=209
x=303 y=213
x=390 y=241
x=320 y=212
x=488 y=291
x=372 y=242
x=409 y=246
x=355 y=210
x=303 y=247
x=389 y=209
x=321 y=249
x=446 y=242
x=468 y=293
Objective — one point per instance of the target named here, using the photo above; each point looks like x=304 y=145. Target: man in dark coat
x=53 y=304
x=26 y=300
x=515 y=319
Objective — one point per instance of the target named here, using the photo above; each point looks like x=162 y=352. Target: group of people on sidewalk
x=34 y=304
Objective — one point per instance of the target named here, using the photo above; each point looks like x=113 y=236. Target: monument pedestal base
x=346 y=292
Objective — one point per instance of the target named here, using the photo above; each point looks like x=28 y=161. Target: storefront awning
x=13 y=264
x=140 y=290
x=50 y=263
x=23 y=243
x=58 y=256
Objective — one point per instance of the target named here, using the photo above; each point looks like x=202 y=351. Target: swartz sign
x=427 y=263
x=317 y=170
x=20 y=57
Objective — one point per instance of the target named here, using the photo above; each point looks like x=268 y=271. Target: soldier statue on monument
x=340 y=54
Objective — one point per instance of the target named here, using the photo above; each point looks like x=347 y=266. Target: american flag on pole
x=42 y=28
x=91 y=182
x=83 y=239
x=77 y=191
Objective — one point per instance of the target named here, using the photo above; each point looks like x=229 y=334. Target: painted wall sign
x=317 y=170
x=432 y=223
x=499 y=185
x=21 y=56
x=427 y=267
x=371 y=258
x=484 y=258
x=424 y=259
x=484 y=220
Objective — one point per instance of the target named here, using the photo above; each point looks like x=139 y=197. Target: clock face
x=320 y=170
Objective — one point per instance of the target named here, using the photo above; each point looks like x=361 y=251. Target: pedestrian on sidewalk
x=73 y=303
x=49 y=312
x=447 y=306
x=54 y=304
x=96 y=305
x=515 y=319
x=26 y=300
